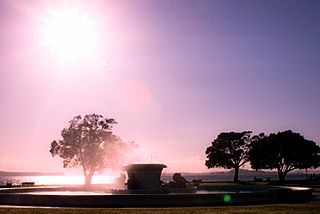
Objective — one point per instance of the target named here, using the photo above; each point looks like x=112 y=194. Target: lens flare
x=227 y=198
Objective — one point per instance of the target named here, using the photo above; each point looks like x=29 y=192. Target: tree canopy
x=284 y=151
x=229 y=150
x=89 y=143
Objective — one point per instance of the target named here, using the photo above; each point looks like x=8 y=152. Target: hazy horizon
x=173 y=74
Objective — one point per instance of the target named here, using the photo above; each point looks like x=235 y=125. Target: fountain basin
x=144 y=190
x=234 y=196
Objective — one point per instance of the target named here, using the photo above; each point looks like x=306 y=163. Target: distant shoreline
x=3 y=173
x=243 y=172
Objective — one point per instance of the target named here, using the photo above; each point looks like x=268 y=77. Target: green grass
x=317 y=189
x=275 y=208
x=213 y=184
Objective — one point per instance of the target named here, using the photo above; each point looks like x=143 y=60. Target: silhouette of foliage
x=284 y=151
x=87 y=142
x=229 y=150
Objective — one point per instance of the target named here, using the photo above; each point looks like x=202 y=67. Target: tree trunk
x=236 y=174
x=307 y=177
x=282 y=176
x=88 y=179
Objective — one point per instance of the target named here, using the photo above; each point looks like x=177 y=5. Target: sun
x=70 y=33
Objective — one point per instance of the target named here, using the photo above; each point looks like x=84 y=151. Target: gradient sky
x=174 y=74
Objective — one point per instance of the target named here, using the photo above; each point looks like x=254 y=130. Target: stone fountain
x=143 y=178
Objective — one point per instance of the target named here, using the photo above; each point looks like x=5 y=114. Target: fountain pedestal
x=148 y=176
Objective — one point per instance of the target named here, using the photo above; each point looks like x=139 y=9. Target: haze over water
x=110 y=179
x=174 y=74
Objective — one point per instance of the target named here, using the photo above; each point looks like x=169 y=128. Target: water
x=109 y=179
x=55 y=180
x=65 y=193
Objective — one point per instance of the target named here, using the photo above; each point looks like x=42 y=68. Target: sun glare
x=70 y=33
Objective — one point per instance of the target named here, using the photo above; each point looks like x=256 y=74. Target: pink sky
x=174 y=75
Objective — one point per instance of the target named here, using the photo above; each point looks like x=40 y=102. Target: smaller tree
x=284 y=151
x=229 y=150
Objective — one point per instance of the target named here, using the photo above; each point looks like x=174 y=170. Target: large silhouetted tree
x=284 y=151
x=229 y=150
x=89 y=143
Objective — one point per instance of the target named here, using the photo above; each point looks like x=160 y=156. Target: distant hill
x=2 y=173
x=246 y=172
x=231 y=172
x=242 y=172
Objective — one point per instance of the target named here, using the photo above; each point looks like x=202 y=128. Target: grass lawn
x=275 y=208
x=216 y=184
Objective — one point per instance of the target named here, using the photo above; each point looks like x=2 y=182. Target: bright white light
x=69 y=179
x=70 y=33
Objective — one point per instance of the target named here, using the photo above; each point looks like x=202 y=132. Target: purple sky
x=174 y=74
